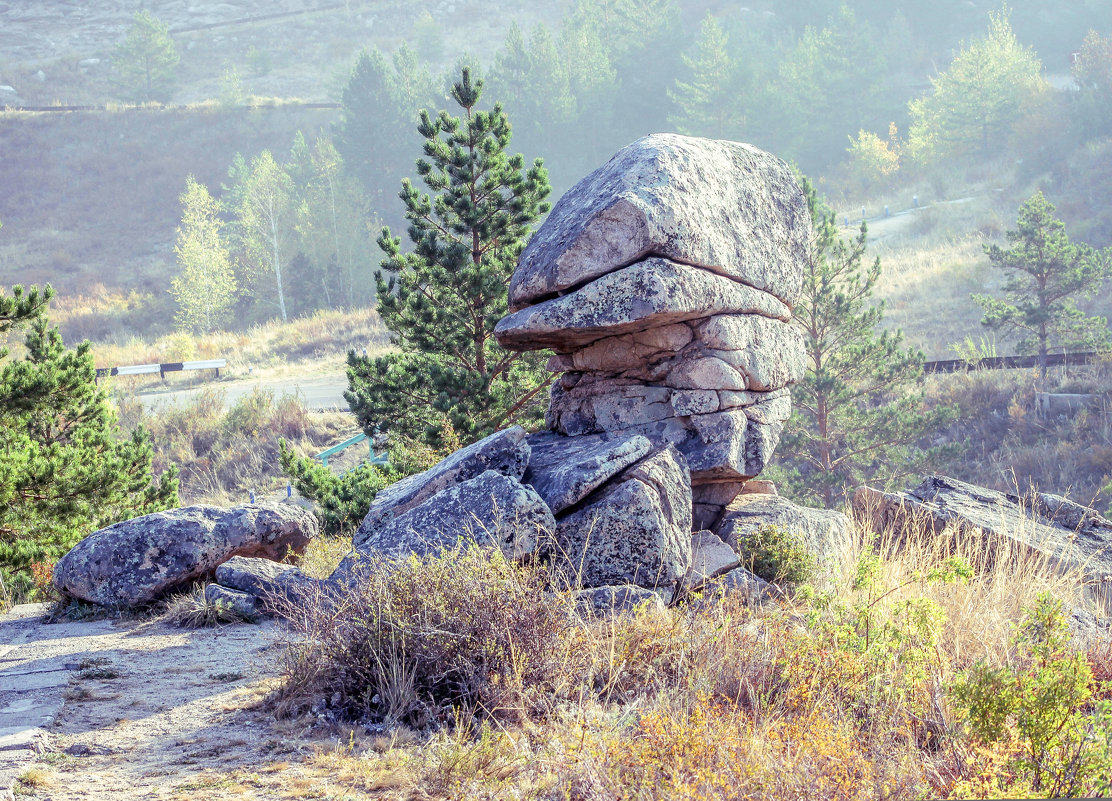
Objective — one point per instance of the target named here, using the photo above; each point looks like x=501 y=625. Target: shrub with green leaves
x=777 y=555
x=342 y=501
x=1035 y=711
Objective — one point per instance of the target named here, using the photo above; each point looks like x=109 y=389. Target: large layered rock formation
x=664 y=282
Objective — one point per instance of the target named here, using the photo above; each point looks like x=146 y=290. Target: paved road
x=320 y=392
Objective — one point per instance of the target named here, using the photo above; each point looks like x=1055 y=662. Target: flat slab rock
x=635 y=530
x=649 y=294
x=506 y=452
x=140 y=560
x=1072 y=536
x=489 y=510
x=276 y=586
x=826 y=533
x=722 y=205
x=710 y=557
x=565 y=470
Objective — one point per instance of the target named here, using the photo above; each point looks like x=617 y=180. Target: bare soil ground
x=148 y=710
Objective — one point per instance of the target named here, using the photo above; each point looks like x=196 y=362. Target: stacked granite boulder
x=664 y=282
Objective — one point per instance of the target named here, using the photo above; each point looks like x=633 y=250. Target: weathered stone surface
x=722 y=205
x=731 y=352
x=239 y=603
x=140 y=560
x=276 y=585
x=505 y=452
x=596 y=406
x=623 y=599
x=826 y=533
x=731 y=444
x=650 y=294
x=770 y=353
x=618 y=353
x=636 y=530
x=710 y=557
x=752 y=588
x=565 y=470
x=490 y=509
x=709 y=502
x=1072 y=536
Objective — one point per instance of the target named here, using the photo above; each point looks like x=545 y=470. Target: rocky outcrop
x=634 y=531
x=663 y=282
x=490 y=509
x=564 y=471
x=141 y=560
x=826 y=533
x=723 y=206
x=1072 y=537
x=505 y=452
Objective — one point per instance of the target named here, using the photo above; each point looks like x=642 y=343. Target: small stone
x=619 y=600
x=242 y=604
x=710 y=557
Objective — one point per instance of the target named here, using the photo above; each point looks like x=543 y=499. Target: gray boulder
x=826 y=533
x=140 y=560
x=710 y=557
x=277 y=586
x=722 y=205
x=649 y=294
x=1071 y=536
x=505 y=452
x=741 y=583
x=729 y=445
x=619 y=600
x=565 y=470
x=636 y=530
x=490 y=510
x=243 y=604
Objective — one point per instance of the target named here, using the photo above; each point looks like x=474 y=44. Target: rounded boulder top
x=723 y=206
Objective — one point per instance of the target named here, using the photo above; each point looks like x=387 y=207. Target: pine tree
x=332 y=228
x=65 y=468
x=443 y=299
x=205 y=289
x=146 y=59
x=1047 y=274
x=858 y=412
x=976 y=103
x=372 y=130
x=708 y=104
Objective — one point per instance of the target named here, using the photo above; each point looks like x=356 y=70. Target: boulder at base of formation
x=139 y=561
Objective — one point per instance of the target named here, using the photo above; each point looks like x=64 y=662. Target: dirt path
x=141 y=710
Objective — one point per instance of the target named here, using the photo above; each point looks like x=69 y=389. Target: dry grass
x=225 y=454
x=324 y=336
x=693 y=702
